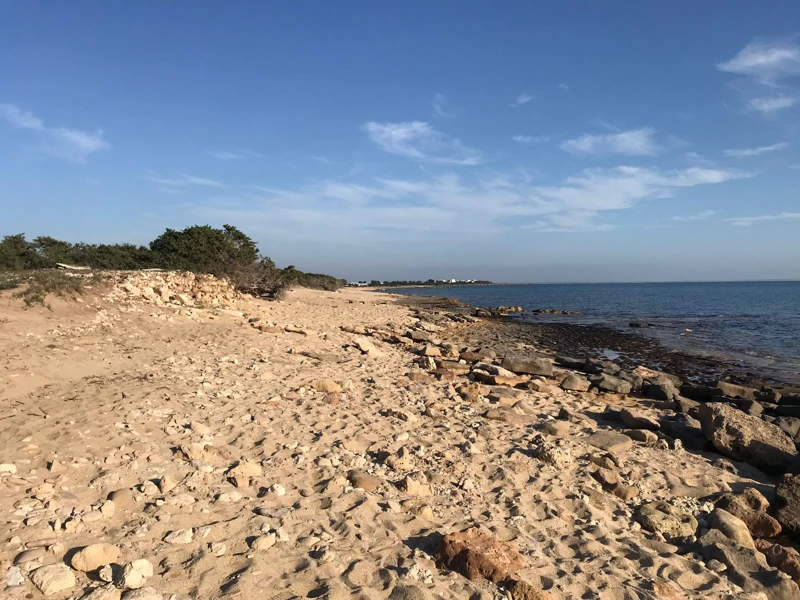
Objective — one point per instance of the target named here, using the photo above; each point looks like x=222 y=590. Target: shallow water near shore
x=754 y=323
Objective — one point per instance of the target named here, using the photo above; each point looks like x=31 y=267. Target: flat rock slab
x=787 y=505
x=610 y=441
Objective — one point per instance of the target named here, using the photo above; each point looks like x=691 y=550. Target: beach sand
x=232 y=451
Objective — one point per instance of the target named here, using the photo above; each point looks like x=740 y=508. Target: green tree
x=203 y=249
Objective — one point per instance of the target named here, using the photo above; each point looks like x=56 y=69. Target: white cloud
x=748 y=221
x=175 y=185
x=452 y=205
x=701 y=216
x=225 y=155
x=443 y=107
x=635 y=142
x=771 y=104
x=766 y=61
x=563 y=87
x=73 y=145
x=531 y=139
x=522 y=99
x=420 y=141
x=745 y=152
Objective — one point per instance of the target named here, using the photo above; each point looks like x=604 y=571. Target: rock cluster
x=167 y=288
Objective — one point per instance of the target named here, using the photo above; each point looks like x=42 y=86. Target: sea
x=755 y=323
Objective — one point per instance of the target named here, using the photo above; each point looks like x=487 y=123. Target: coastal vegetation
x=225 y=253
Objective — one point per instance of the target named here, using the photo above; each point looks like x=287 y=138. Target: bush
x=43 y=283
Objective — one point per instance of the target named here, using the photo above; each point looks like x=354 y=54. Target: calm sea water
x=755 y=322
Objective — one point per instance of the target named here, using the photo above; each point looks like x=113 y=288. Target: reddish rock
x=521 y=590
x=751 y=506
x=477 y=555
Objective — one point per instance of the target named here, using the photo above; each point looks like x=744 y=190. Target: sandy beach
x=349 y=445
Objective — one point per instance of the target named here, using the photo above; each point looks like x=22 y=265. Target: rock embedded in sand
x=246 y=470
x=747 y=438
x=409 y=592
x=608 y=383
x=477 y=555
x=576 y=383
x=415 y=484
x=551 y=453
x=53 y=579
x=636 y=419
x=522 y=366
x=787 y=505
x=106 y=592
x=179 y=536
x=327 y=386
x=364 y=481
x=665 y=518
x=145 y=593
x=521 y=590
x=94 y=556
x=264 y=542
x=610 y=441
x=135 y=573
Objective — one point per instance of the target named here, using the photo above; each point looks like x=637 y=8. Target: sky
x=513 y=141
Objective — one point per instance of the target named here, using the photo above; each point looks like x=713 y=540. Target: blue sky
x=514 y=141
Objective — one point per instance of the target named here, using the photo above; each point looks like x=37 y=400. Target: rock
x=575 y=383
x=367 y=347
x=733 y=527
x=746 y=568
x=94 y=556
x=246 y=470
x=264 y=542
x=200 y=428
x=145 y=593
x=9 y=468
x=521 y=366
x=664 y=391
x=789 y=425
x=626 y=493
x=750 y=506
x=414 y=485
x=686 y=429
x=327 y=386
x=747 y=438
x=558 y=456
x=409 y=592
x=662 y=517
x=14 y=577
x=737 y=391
x=106 y=592
x=784 y=559
x=53 y=579
x=636 y=419
x=608 y=383
x=642 y=435
x=606 y=477
x=179 y=536
x=787 y=505
x=124 y=498
x=477 y=555
x=610 y=441
x=556 y=428
x=364 y=481
x=29 y=555
x=520 y=590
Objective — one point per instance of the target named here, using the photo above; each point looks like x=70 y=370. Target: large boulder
x=477 y=555
x=686 y=429
x=609 y=383
x=746 y=438
x=637 y=419
x=787 y=505
x=575 y=383
x=523 y=366
x=733 y=527
x=732 y=390
x=667 y=519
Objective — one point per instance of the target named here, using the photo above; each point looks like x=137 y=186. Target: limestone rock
x=665 y=518
x=733 y=527
x=477 y=555
x=145 y=593
x=179 y=536
x=94 y=556
x=747 y=438
x=576 y=383
x=521 y=590
x=53 y=579
x=409 y=592
x=750 y=506
x=522 y=366
x=636 y=419
x=787 y=505
x=608 y=383
x=556 y=455
x=327 y=386
x=364 y=481
x=610 y=441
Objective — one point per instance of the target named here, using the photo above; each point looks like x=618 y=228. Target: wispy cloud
x=442 y=107
x=453 y=205
x=421 y=142
x=635 y=142
x=748 y=221
x=563 y=87
x=766 y=61
x=73 y=145
x=745 y=152
x=771 y=104
x=522 y=99
x=175 y=185
x=531 y=139
x=701 y=216
x=225 y=155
